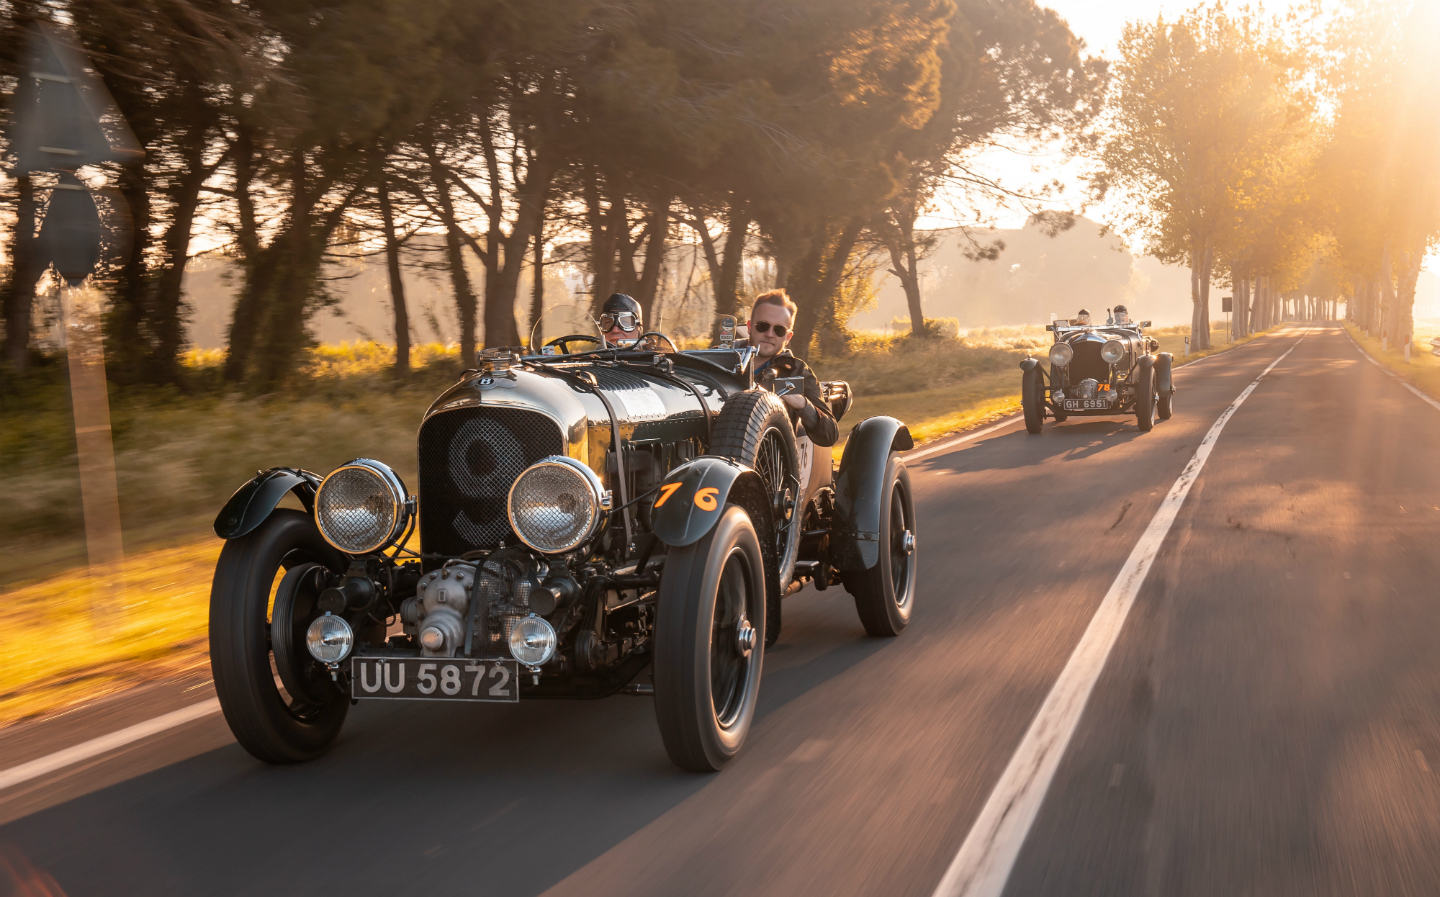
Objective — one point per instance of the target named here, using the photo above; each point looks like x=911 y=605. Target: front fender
x=254 y=501
x=693 y=497
x=859 y=491
x=1163 y=364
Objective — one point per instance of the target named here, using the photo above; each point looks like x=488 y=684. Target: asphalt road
x=1268 y=721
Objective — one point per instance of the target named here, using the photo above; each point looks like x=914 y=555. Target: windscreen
x=565 y=330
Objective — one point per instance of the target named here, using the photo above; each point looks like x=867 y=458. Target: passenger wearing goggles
x=771 y=326
x=621 y=321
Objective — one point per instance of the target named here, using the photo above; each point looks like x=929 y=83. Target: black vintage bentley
x=592 y=520
x=1112 y=368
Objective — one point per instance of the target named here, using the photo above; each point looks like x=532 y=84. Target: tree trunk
x=537 y=291
x=128 y=324
x=1405 y=298
x=813 y=279
x=465 y=302
x=168 y=324
x=1199 y=295
x=397 y=285
x=500 y=325
x=603 y=225
x=25 y=270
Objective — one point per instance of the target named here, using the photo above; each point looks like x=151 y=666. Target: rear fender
x=254 y=501
x=860 y=490
x=693 y=496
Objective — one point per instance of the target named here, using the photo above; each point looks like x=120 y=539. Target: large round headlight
x=329 y=639
x=1112 y=351
x=532 y=641
x=1061 y=354
x=361 y=507
x=555 y=504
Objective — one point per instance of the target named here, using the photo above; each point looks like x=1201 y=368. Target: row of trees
x=1292 y=159
x=807 y=128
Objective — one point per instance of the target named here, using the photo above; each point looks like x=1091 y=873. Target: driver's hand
x=795 y=400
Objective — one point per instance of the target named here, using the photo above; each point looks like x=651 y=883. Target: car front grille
x=1087 y=364
x=469 y=458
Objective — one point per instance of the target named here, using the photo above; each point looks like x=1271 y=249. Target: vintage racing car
x=1098 y=369
x=592 y=520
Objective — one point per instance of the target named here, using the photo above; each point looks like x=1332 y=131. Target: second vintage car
x=592 y=520
x=1105 y=369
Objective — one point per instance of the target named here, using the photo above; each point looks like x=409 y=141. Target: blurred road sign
x=71 y=232
x=64 y=116
x=1225 y=302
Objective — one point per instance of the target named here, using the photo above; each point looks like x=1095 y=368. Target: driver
x=620 y=321
x=771 y=324
x=1083 y=317
x=1122 y=316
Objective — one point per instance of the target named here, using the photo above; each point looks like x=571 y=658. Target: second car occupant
x=1083 y=318
x=1122 y=316
x=620 y=321
x=771 y=325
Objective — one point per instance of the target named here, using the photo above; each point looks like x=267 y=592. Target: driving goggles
x=625 y=320
x=766 y=327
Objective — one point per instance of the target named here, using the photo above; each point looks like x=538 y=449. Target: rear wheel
x=754 y=428
x=885 y=594
x=710 y=644
x=1145 y=400
x=1032 y=402
x=251 y=644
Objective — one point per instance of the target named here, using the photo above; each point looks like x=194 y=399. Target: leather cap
x=618 y=303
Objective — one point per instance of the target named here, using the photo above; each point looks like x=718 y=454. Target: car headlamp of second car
x=1061 y=354
x=1112 y=351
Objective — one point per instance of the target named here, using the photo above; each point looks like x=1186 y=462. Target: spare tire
x=753 y=427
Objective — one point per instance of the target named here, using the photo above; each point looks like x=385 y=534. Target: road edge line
x=985 y=859
x=923 y=451
x=17 y=775
x=1430 y=400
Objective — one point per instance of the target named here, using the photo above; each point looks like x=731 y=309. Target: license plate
x=1086 y=404
x=435 y=679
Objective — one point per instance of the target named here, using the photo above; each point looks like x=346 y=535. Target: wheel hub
x=744 y=638
x=907 y=542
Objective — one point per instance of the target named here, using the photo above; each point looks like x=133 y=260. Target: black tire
x=273 y=726
x=1032 y=400
x=1145 y=400
x=706 y=687
x=1163 y=375
x=753 y=427
x=885 y=594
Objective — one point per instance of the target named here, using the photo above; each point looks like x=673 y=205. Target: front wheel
x=885 y=594
x=251 y=645
x=1166 y=385
x=1032 y=399
x=710 y=643
x=1145 y=400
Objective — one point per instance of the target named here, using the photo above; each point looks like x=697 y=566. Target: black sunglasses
x=766 y=327
x=624 y=320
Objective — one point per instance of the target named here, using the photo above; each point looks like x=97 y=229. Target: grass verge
x=1423 y=370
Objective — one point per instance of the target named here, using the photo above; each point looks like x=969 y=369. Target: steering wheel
x=639 y=341
x=564 y=342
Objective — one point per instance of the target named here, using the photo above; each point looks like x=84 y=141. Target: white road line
x=959 y=440
x=983 y=864
x=16 y=775
x=1398 y=379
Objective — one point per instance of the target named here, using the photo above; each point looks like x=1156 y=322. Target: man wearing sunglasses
x=771 y=325
x=620 y=321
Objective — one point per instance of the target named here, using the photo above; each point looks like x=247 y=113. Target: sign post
x=65 y=120
x=1226 y=302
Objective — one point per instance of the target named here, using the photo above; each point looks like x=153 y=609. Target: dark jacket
x=816 y=417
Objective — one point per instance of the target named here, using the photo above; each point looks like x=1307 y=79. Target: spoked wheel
x=885 y=594
x=281 y=705
x=710 y=644
x=754 y=428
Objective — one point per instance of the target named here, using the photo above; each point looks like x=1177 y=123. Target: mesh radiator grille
x=469 y=458
x=1087 y=364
